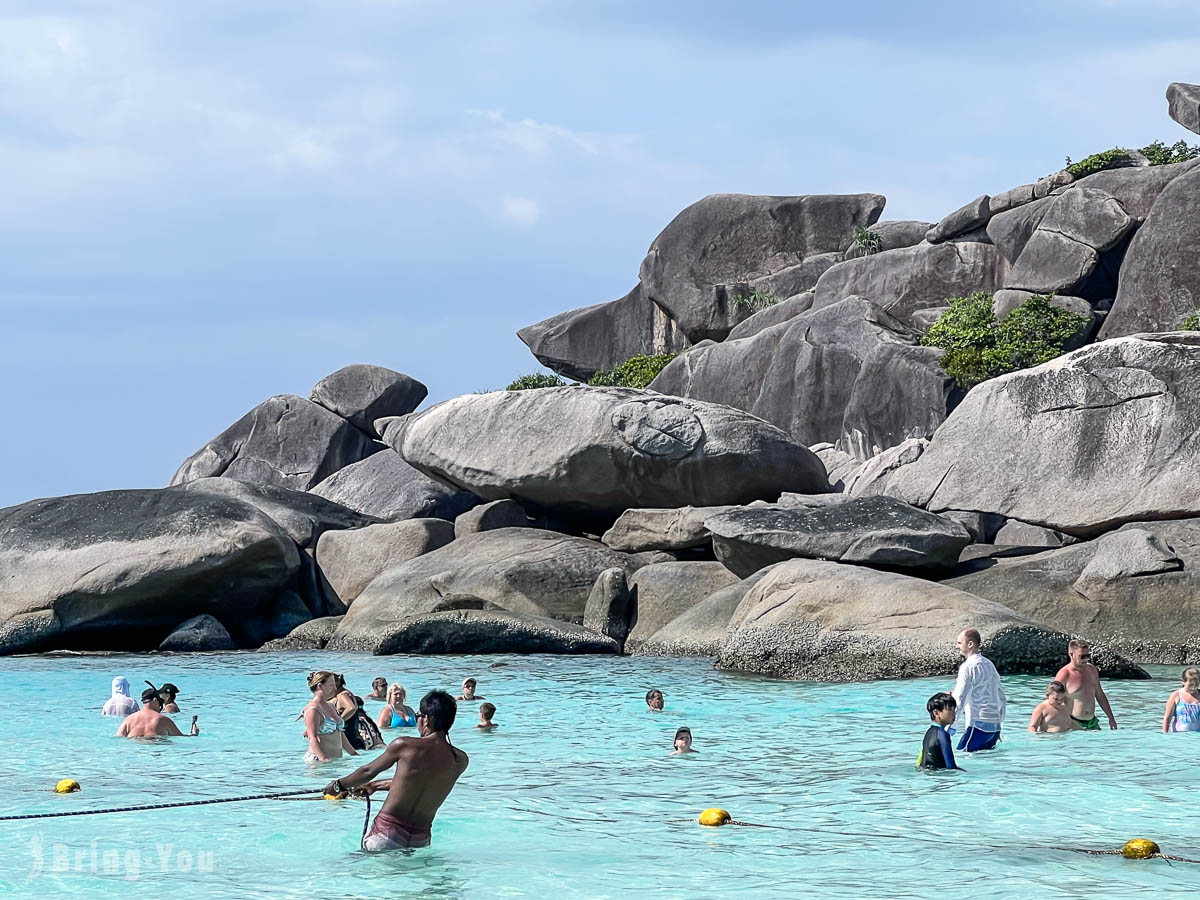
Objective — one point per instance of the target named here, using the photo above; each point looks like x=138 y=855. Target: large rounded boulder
x=385 y=486
x=120 y=570
x=361 y=394
x=596 y=452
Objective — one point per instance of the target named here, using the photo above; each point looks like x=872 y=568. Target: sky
x=206 y=204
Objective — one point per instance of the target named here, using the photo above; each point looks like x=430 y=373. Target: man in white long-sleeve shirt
x=980 y=697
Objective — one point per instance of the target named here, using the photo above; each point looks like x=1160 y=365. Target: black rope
x=118 y=809
x=362 y=842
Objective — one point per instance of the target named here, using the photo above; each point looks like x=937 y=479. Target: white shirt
x=119 y=706
x=978 y=692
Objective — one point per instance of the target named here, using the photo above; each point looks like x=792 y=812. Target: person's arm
x=347 y=746
x=169 y=727
x=123 y=728
x=1169 y=715
x=1003 y=699
x=311 y=722
x=947 y=748
x=362 y=776
x=1036 y=719
x=1102 y=699
x=961 y=686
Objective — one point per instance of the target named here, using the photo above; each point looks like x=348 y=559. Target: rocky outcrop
x=1015 y=533
x=595 y=452
x=312 y=635
x=700 y=630
x=663 y=592
x=826 y=621
x=660 y=529
x=872 y=477
x=119 y=570
x=726 y=239
x=581 y=342
x=521 y=570
x=497 y=514
x=839 y=465
x=1102 y=436
x=970 y=217
x=479 y=631
x=1183 y=105
x=350 y=560
x=286 y=441
x=904 y=281
x=1134 y=588
x=1160 y=277
x=385 y=486
x=848 y=373
x=782 y=311
x=892 y=236
x=609 y=608
x=361 y=394
x=874 y=530
x=303 y=516
x=202 y=632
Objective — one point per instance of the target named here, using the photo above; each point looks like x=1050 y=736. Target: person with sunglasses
x=1083 y=688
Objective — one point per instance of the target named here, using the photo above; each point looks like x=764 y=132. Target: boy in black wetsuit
x=936 y=750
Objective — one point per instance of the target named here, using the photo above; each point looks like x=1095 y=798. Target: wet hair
x=1078 y=644
x=1184 y=676
x=939 y=702
x=1056 y=687
x=650 y=693
x=315 y=679
x=972 y=634
x=487 y=710
x=682 y=730
x=440 y=709
x=151 y=693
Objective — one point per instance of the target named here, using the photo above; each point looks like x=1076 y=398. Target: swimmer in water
x=395 y=714
x=150 y=722
x=121 y=703
x=936 y=751
x=683 y=742
x=168 y=692
x=378 y=689
x=427 y=768
x=1053 y=715
x=468 y=690
x=324 y=728
x=655 y=700
x=486 y=711
x=1183 y=706
x=1082 y=679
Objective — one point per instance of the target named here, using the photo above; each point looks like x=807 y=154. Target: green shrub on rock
x=635 y=372
x=536 y=380
x=868 y=241
x=1156 y=154
x=1191 y=323
x=978 y=347
x=1159 y=154
x=753 y=300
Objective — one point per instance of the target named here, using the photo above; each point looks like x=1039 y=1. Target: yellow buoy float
x=1140 y=848
x=714 y=817
x=67 y=786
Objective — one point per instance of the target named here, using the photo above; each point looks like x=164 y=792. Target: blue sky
x=205 y=204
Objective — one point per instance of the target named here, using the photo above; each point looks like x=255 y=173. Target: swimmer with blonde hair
x=1183 y=706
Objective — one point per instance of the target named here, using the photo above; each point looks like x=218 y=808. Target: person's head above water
x=1190 y=679
x=655 y=699
x=942 y=708
x=150 y=696
x=468 y=688
x=396 y=695
x=120 y=687
x=1080 y=652
x=322 y=682
x=968 y=642
x=436 y=713
x=379 y=686
x=486 y=711
x=1056 y=693
x=683 y=739
x=168 y=692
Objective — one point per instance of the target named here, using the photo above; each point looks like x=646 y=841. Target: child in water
x=1053 y=715
x=936 y=751
x=1183 y=706
x=486 y=711
x=683 y=741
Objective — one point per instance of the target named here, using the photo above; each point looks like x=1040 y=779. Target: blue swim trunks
x=976 y=739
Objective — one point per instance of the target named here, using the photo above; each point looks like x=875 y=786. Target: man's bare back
x=148 y=723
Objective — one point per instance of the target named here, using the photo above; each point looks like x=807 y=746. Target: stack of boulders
x=802 y=492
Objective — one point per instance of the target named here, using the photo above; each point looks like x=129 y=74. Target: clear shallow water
x=576 y=796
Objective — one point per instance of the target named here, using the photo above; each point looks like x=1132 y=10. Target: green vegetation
x=1191 y=323
x=1157 y=154
x=753 y=300
x=635 y=372
x=978 y=347
x=536 y=380
x=867 y=240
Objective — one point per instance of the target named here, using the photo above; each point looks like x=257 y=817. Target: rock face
x=312 y=635
x=303 y=516
x=826 y=621
x=582 y=342
x=350 y=560
x=1160 y=277
x=1133 y=588
x=1183 y=103
x=286 y=441
x=773 y=315
x=839 y=464
x=872 y=477
x=700 y=630
x=848 y=374
x=609 y=609
x=665 y=591
x=521 y=570
x=361 y=394
x=1022 y=534
x=1104 y=435
x=729 y=238
x=497 y=514
x=385 y=486
x=483 y=631
x=121 y=569
x=905 y=281
x=595 y=452
x=660 y=529
x=893 y=235
x=975 y=214
x=875 y=530
x=202 y=632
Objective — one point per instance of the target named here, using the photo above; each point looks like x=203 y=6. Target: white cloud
x=521 y=210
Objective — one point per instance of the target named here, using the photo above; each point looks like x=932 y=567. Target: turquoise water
x=576 y=796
